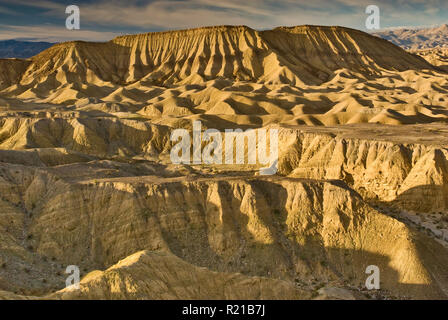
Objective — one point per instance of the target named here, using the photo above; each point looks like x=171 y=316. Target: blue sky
x=101 y=20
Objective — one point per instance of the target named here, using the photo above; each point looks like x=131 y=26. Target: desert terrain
x=86 y=177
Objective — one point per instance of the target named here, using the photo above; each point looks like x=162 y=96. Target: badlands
x=86 y=177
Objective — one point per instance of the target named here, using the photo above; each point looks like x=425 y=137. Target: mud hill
x=437 y=57
x=233 y=71
x=86 y=178
x=284 y=55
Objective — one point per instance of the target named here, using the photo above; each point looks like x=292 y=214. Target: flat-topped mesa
x=298 y=55
x=329 y=48
x=293 y=55
x=186 y=32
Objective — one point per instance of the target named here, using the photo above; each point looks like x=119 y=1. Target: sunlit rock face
x=86 y=177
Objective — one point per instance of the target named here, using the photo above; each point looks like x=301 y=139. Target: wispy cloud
x=149 y=15
x=52 y=34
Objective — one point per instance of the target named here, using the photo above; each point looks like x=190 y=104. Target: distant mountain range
x=417 y=38
x=21 y=49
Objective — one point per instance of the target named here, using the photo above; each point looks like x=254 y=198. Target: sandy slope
x=437 y=57
x=144 y=275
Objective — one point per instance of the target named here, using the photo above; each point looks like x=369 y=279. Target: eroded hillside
x=302 y=75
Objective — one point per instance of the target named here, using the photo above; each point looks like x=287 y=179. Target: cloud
x=150 y=15
x=52 y=34
x=255 y=13
x=169 y=14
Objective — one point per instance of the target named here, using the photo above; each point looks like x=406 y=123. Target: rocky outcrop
x=295 y=230
x=160 y=275
x=412 y=176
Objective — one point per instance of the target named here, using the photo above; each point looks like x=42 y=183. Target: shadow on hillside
x=218 y=232
x=424 y=198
